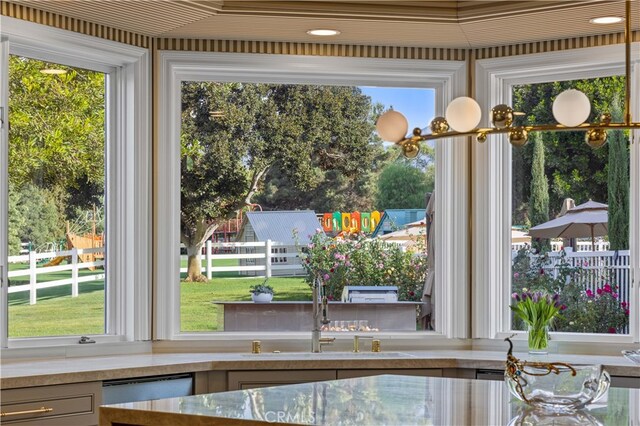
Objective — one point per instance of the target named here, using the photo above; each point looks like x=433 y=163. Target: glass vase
x=538 y=340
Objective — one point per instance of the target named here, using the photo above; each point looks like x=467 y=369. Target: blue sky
x=418 y=105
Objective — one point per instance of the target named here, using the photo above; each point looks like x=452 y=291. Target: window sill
x=563 y=343
x=64 y=348
x=301 y=341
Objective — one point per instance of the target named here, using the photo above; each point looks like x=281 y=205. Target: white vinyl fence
x=34 y=270
x=594 y=265
x=259 y=259
x=556 y=246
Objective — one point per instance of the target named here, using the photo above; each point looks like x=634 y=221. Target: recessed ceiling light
x=53 y=71
x=606 y=20
x=323 y=32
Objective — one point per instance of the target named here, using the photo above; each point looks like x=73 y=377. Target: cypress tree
x=539 y=199
x=618 y=188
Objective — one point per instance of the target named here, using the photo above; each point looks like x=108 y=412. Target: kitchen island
x=377 y=400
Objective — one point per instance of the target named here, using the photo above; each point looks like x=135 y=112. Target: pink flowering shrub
x=585 y=310
x=594 y=312
x=357 y=261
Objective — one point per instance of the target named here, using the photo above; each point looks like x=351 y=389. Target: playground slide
x=55 y=261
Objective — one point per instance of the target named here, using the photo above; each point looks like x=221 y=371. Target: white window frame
x=448 y=78
x=495 y=79
x=127 y=167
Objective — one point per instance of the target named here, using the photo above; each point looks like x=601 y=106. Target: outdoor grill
x=370 y=294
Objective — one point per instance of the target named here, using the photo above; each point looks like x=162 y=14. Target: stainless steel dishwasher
x=146 y=388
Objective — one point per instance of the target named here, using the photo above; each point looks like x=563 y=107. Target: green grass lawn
x=56 y=313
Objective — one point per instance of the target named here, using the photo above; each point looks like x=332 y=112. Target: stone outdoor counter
x=297 y=316
x=54 y=371
x=379 y=400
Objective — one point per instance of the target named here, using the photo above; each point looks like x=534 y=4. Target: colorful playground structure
x=332 y=223
x=350 y=221
x=87 y=241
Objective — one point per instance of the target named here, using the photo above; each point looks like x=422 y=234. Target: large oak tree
x=56 y=148
x=302 y=130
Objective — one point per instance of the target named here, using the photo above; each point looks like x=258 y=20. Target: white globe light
x=463 y=114
x=571 y=108
x=392 y=126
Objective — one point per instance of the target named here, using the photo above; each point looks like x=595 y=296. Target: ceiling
x=448 y=24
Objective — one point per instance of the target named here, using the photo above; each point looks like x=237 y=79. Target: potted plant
x=261 y=293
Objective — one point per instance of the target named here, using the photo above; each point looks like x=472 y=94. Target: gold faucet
x=375 y=345
x=319 y=313
x=356 y=342
x=322 y=341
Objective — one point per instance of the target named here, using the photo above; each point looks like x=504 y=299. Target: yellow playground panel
x=87 y=241
x=351 y=221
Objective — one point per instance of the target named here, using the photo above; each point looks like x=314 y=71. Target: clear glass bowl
x=561 y=392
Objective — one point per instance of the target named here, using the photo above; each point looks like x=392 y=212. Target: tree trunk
x=194 y=264
x=195 y=236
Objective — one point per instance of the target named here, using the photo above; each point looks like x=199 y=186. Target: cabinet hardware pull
x=40 y=410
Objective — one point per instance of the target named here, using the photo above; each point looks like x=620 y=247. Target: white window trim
x=448 y=78
x=492 y=182
x=128 y=164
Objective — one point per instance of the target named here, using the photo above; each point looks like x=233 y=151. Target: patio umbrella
x=427 y=291
x=586 y=220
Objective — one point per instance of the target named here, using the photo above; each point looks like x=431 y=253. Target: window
x=590 y=271
x=593 y=278
x=56 y=199
x=274 y=255
x=298 y=152
x=75 y=170
x=286 y=78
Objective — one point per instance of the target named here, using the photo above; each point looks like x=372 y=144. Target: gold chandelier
x=571 y=109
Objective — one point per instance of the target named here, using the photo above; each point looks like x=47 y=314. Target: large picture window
x=263 y=166
x=298 y=139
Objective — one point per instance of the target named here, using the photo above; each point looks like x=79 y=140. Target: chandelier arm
x=627 y=63
x=502 y=117
x=536 y=128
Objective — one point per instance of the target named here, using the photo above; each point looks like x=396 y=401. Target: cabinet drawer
x=260 y=379
x=52 y=405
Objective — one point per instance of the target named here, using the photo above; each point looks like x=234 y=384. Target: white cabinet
x=59 y=405
x=259 y=379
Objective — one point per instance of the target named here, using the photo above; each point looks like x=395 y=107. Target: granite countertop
x=378 y=400
x=53 y=371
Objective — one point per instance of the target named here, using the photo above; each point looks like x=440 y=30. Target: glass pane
x=271 y=173
x=570 y=212
x=56 y=199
